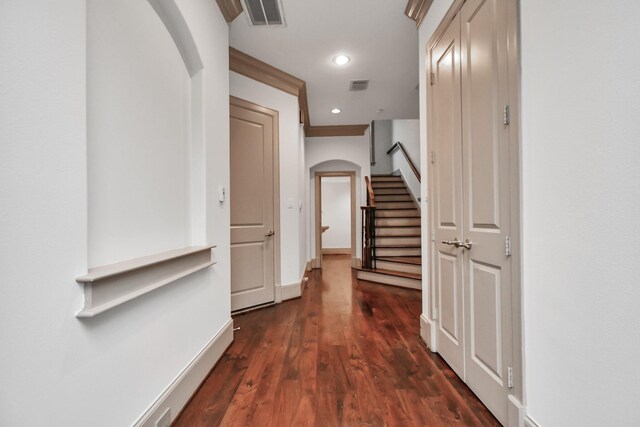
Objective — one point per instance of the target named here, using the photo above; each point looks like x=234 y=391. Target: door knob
x=467 y=244
x=455 y=242
x=269 y=233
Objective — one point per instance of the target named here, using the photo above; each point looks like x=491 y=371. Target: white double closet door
x=471 y=200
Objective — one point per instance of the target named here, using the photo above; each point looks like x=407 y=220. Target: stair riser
x=383 y=191
x=396 y=266
x=397 y=213
x=401 y=222
x=382 y=252
x=376 y=179
x=394 y=205
x=393 y=198
x=399 y=231
x=402 y=282
x=387 y=184
x=397 y=241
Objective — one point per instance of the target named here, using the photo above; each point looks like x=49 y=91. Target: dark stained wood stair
x=398 y=235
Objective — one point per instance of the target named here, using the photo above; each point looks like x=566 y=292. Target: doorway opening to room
x=335 y=215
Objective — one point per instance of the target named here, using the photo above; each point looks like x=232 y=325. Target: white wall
x=138 y=134
x=337 y=154
x=408 y=133
x=104 y=371
x=303 y=247
x=581 y=199
x=336 y=212
x=291 y=216
x=383 y=136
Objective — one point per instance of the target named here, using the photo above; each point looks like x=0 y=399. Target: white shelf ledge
x=110 y=285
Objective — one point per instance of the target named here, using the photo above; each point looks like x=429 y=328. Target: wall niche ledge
x=110 y=285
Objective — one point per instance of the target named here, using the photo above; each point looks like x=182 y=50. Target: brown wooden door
x=253 y=136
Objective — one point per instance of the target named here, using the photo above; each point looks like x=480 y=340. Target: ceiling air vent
x=356 y=85
x=264 y=12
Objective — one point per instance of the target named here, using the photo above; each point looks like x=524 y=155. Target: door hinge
x=433 y=157
x=506 y=116
x=510 y=377
x=507 y=245
x=433 y=236
x=432 y=78
x=434 y=314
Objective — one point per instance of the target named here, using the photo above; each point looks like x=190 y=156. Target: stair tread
x=392 y=273
x=398 y=226
x=400 y=237
x=413 y=260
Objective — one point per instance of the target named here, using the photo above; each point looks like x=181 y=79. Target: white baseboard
x=516 y=412
x=176 y=396
x=528 y=422
x=294 y=290
x=291 y=291
x=427 y=332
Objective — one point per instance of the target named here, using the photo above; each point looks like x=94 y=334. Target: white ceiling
x=381 y=42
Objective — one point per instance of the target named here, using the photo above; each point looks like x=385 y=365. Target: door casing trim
x=317 y=261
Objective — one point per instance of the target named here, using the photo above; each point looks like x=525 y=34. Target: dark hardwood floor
x=347 y=353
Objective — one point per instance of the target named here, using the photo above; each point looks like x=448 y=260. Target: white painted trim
x=294 y=290
x=428 y=332
x=516 y=412
x=176 y=396
x=528 y=422
x=356 y=262
x=291 y=291
x=108 y=286
x=277 y=290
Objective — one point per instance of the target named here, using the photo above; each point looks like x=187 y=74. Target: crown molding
x=341 y=130
x=230 y=9
x=417 y=10
x=260 y=71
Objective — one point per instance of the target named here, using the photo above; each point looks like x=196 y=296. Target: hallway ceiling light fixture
x=341 y=59
x=336 y=111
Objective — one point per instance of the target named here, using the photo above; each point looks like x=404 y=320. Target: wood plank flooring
x=347 y=353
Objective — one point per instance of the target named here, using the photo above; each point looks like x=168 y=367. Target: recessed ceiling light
x=336 y=111
x=341 y=59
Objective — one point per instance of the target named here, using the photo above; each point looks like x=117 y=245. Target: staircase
x=397 y=244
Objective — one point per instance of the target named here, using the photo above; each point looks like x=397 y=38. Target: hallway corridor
x=346 y=354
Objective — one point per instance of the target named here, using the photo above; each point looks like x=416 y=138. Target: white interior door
x=252 y=139
x=447 y=196
x=486 y=172
x=471 y=191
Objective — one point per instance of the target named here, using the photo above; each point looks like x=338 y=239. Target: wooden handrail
x=398 y=146
x=372 y=200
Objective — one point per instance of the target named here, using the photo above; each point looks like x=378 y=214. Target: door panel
x=251 y=194
x=447 y=177
x=486 y=172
